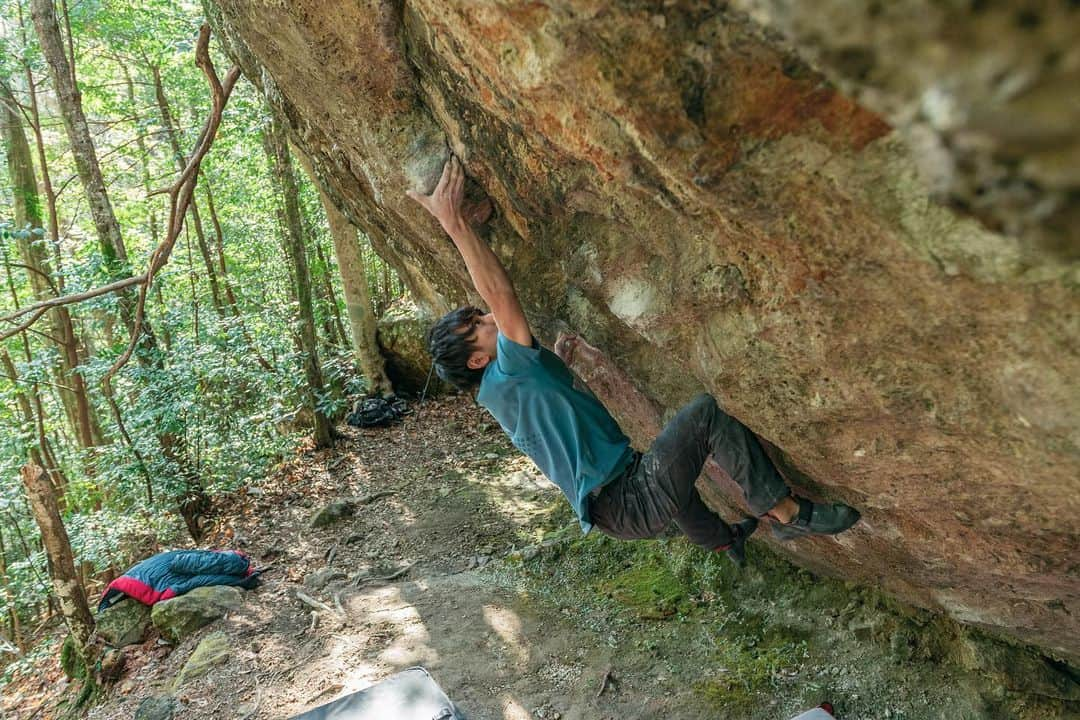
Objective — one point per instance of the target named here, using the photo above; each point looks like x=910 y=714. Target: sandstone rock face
x=680 y=185
x=986 y=94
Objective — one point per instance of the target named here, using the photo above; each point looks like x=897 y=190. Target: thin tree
x=332 y=324
x=277 y=148
x=14 y=623
x=172 y=131
x=69 y=592
x=151 y=215
x=354 y=283
x=226 y=285
x=69 y=98
x=28 y=397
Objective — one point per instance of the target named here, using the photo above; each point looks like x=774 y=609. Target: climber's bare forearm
x=488 y=274
x=491 y=281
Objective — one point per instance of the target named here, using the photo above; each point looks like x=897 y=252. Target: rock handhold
x=179 y=617
x=124 y=623
x=332 y=513
x=214 y=649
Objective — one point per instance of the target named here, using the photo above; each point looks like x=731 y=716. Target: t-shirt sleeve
x=514 y=359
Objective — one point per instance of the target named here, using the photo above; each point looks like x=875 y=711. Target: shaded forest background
x=247 y=340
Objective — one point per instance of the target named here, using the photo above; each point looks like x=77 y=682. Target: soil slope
x=519 y=617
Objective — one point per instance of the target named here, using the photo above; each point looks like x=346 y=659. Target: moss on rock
x=214 y=649
x=124 y=623
x=179 y=617
x=70 y=661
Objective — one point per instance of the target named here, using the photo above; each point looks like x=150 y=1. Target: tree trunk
x=354 y=283
x=152 y=219
x=219 y=249
x=27 y=419
x=278 y=149
x=334 y=327
x=27 y=207
x=77 y=346
x=28 y=398
x=78 y=132
x=387 y=286
x=357 y=299
x=14 y=624
x=223 y=271
x=321 y=284
x=69 y=592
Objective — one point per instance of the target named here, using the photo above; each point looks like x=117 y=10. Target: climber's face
x=483 y=336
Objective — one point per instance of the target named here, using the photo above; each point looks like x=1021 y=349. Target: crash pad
x=408 y=695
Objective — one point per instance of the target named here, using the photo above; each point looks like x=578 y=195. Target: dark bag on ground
x=409 y=695
x=378 y=412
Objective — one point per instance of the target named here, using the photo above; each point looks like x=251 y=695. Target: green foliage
x=747 y=673
x=220 y=380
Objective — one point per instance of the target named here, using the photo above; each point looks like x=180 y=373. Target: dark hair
x=450 y=348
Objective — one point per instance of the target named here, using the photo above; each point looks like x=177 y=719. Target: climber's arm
x=488 y=274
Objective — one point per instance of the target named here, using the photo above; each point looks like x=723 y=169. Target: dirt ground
x=473 y=568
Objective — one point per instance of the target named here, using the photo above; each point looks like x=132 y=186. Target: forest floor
x=518 y=617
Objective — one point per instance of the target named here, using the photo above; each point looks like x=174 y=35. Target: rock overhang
x=680 y=185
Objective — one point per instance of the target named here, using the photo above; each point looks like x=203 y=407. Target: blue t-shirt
x=568 y=434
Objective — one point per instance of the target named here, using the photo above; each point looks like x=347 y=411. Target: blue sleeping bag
x=168 y=574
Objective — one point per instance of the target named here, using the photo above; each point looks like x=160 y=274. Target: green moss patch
x=649 y=589
x=749 y=668
x=70 y=662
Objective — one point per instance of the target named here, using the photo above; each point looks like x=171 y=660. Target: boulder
x=124 y=623
x=179 y=617
x=400 y=332
x=861 y=238
x=214 y=649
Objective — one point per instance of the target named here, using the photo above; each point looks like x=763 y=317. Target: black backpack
x=378 y=412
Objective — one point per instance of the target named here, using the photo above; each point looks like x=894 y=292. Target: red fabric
x=139 y=590
x=251 y=565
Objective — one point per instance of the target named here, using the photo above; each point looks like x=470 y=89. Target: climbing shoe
x=816 y=519
x=740 y=531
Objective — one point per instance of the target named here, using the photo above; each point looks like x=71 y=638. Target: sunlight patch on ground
x=360 y=677
x=507 y=625
x=513 y=710
x=515 y=487
x=410 y=643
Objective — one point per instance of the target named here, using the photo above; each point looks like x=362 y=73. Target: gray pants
x=659 y=486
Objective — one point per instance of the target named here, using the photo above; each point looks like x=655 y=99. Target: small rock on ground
x=179 y=617
x=159 y=707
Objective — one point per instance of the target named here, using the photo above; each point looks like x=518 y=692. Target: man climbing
x=574 y=440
